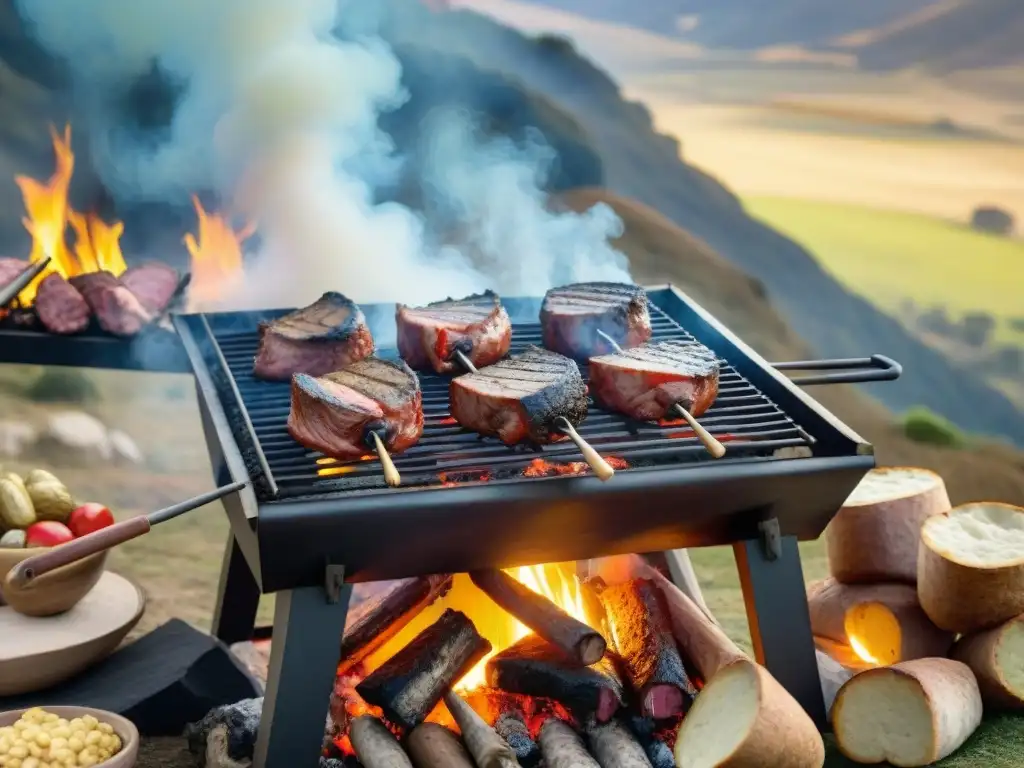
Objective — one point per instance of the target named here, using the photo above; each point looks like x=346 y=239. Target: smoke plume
x=280 y=116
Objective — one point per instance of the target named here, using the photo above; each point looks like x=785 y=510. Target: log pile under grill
x=614 y=694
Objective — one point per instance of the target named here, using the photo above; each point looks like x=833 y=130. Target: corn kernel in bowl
x=41 y=739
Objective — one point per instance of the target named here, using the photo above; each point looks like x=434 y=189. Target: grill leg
x=238 y=598
x=303 y=660
x=780 y=625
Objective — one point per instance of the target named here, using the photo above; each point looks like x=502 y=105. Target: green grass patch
x=890 y=256
x=924 y=426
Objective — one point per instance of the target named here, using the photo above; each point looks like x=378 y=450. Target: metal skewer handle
x=391 y=476
x=10 y=291
x=601 y=468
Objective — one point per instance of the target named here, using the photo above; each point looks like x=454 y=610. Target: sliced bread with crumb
x=910 y=714
x=996 y=656
x=970 y=569
x=874 y=536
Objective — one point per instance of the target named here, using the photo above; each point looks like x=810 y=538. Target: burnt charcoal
x=572 y=315
x=349 y=761
x=513 y=729
x=411 y=683
x=226 y=731
x=382 y=616
x=531 y=391
x=328 y=335
x=642 y=637
x=477 y=326
x=541 y=615
x=651 y=736
x=534 y=667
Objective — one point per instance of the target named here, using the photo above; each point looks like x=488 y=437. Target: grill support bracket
x=770 y=538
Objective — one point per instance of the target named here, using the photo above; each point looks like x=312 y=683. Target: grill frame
x=286 y=542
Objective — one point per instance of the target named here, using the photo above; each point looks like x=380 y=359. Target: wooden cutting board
x=36 y=653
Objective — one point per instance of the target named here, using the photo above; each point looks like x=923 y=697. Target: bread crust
x=980 y=652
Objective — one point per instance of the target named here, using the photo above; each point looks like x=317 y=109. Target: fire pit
x=310 y=527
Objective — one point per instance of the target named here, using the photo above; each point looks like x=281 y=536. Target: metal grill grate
x=742 y=417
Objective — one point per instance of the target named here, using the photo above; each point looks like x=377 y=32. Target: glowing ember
x=541 y=468
x=451 y=479
x=448 y=421
x=331 y=466
x=216 y=256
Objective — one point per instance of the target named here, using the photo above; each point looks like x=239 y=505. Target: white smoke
x=281 y=117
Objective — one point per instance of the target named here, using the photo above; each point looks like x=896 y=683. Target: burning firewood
x=433 y=746
x=550 y=622
x=882 y=622
x=742 y=716
x=513 y=729
x=383 y=616
x=910 y=714
x=615 y=747
x=642 y=637
x=562 y=747
x=534 y=667
x=489 y=750
x=409 y=684
x=375 y=745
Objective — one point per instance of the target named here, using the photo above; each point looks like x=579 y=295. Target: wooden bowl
x=54 y=592
x=123 y=727
x=37 y=653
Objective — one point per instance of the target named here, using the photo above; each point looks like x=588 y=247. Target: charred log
x=409 y=684
x=562 y=747
x=541 y=615
x=433 y=746
x=615 y=747
x=534 y=667
x=513 y=729
x=383 y=616
x=488 y=749
x=375 y=745
x=642 y=636
x=654 y=740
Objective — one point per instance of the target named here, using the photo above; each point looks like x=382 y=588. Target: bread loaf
x=874 y=536
x=970 y=572
x=996 y=656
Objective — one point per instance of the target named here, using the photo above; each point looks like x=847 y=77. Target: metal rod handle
x=851 y=370
x=10 y=291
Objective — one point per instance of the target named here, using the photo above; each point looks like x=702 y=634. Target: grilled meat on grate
x=153 y=283
x=572 y=315
x=117 y=309
x=61 y=308
x=646 y=381
x=336 y=413
x=478 y=326
x=326 y=336
x=519 y=398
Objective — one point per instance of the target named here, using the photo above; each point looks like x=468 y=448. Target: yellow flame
x=216 y=252
x=861 y=650
x=97 y=244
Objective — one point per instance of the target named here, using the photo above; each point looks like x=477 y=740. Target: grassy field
x=890 y=256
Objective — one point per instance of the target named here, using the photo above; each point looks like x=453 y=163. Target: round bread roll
x=996 y=656
x=970 y=570
x=882 y=623
x=743 y=718
x=911 y=714
x=874 y=536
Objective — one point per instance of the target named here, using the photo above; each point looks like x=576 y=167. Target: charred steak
x=117 y=309
x=325 y=336
x=60 y=307
x=645 y=382
x=335 y=413
x=153 y=283
x=571 y=317
x=478 y=326
x=518 y=399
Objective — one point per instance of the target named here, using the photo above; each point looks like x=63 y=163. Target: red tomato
x=88 y=518
x=48 y=533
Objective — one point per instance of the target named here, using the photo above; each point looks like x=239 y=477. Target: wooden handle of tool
x=715 y=448
x=391 y=476
x=597 y=463
x=23 y=573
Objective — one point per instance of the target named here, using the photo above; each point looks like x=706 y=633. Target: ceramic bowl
x=123 y=727
x=51 y=593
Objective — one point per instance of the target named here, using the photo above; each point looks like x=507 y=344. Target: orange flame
x=329 y=466
x=216 y=256
x=97 y=244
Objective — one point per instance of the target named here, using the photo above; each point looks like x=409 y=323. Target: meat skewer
x=533 y=396
x=703 y=385
x=473 y=331
x=571 y=314
x=372 y=404
x=10 y=291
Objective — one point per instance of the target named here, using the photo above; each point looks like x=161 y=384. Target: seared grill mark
x=572 y=315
